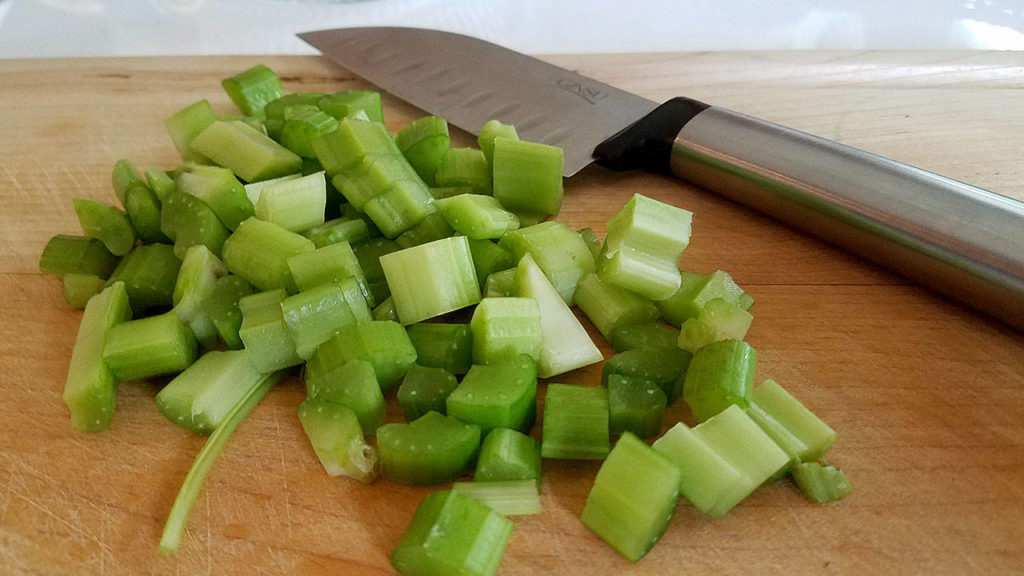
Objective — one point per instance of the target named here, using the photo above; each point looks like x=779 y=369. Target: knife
x=963 y=241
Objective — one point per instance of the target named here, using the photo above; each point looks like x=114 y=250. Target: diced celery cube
x=575 y=422
x=354 y=385
x=431 y=279
x=385 y=345
x=719 y=375
x=498 y=395
x=429 y=450
x=506 y=327
x=424 y=389
x=527 y=176
x=508 y=454
x=801 y=434
x=337 y=440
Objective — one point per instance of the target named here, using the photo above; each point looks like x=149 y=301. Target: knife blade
x=963 y=241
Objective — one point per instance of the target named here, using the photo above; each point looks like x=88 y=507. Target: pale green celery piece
x=344 y=148
x=372 y=176
x=331 y=263
x=424 y=143
x=79 y=288
x=276 y=110
x=90 y=388
x=464 y=167
x=797 y=430
x=566 y=345
x=707 y=480
x=185 y=124
x=439 y=192
x=249 y=153
x=575 y=422
x=219 y=189
x=500 y=284
x=640 y=272
x=149 y=273
x=385 y=311
x=196 y=278
x=506 y=497
x=644 y=335
x=254 y=189
x=353 y=385
x=148 y=347
x=592 y=241
x=491 y=130
x=316 y=315
x=66 y=254
x=431 y=279
x=343 y=229
x=337 y=440
x=258 y=251
x=498 y=395
x=188 y=221
x=507 y=454
x=488 y=258
x=504 y=328
x=610 y=307
x=106 y=223
x=400 y=207
x=264 y=333
x=527 y=176
x=559 y=251
x=477 y=216
x=432 y=227
x=160 y=182
x=302 y=125
x=252 y=89
x=718 y=320
x=253 y=121
x=425 y=389
x=696 y=290
x=385 y=345
x=821 y=483
x=295 y=204
x=651 y=227
x=124 y=177
x=720 y=375
x=362 y=103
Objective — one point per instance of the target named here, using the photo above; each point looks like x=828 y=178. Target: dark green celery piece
x=504 y=328
x=372 y=176
x=489 y=258
x=65 y=254
x=452 y=534
x=253 y=88
x=508 y=454
x=353 y=385
x=344 y=104
x=342 y=229
x=644 y=335
x=575 y=422
x=400 y=207
x=557 y=249
x=490 y=131
x=431 y=279
x=337 y=439
x=696 y=290
x=79 y=288
x=432 y=227
x=633 y=499
x=143 y=208
x=107 y=224
x=185 y=124
x=635 y=405
x=464 y=167
x=301 y=126
x=331 y=263
x=609 y=306
x=477 y=216
x=424 y=143
x=219 y=189
x=222 y=311
x=148 y=347
x=249 y=153
x=506 y=497
x=149 y=273
x=385 y=345
x=440 y=345
x=800 y=434
x=385 y=310
x=432 y=449
x=188 y=222
x=264 y=333
x=297 y=204
x=259 y=251
x=369 y=252
x=275 y=110
x=201 y=396
x=527 y=176
x=315 y=315
x=160 y=182
x=665 y=367
x=90 y=388
x=345 y=148
x=498 y=395
x=718 y=320
x=499 y=284
x=721 y=374
x=821 y=483
x=425 y=389
x=592 y=241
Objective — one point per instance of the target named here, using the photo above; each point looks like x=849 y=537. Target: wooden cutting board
x=927 y=398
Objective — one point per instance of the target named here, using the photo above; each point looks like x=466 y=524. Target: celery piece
x=79 y=288
x=665 y=367
x=440 y=192
x=385 y=345
x=90 y=388
x=718 y=320
x=221 y=309
x=149 y=273
x=499 y=284
x=276 y=110
x=696 y=290
x=316 y=315
x=385 y=311
x=345 y=148
x=372 y=176
x=124 y=177
x=264 y=333
x=107 y=224
x=337 y=439
x=302 y=126
x=249 y=153
x=498 y=395
x=440 y=345
x=429 y=450
x=147 y=347
x=800 y=434
x=344 y=104
x=506 y=497
x=491 y=130
x=610 y=307
x=424 y=389
x=431 y=279
x=351 y=230
x=197 y=276
x=464 y=167
x=566 y=345
x=201 y=396
x=400 y=207
x=489 y=258
x=644 y=335
x=708 y=481
x=451 y=534
x=253 y=190
x=557 y=249
x=477 y=216
x=331 y=263
x=143 y=210
x=259 y=251
x=295 y=204
x=506 y=327
x=432 y=227
x=160 y=182
x=527 y=176
x=639 y=272
x=185 y=124
x=219 y=189
x=66 y=254
x=719 y=375
x=424 y=143
x=575 y=422
x=252 y=121
x=188 y=221
x=635 y=405
x=507 y=454
x=353 y=385
x=592 y=241
x=253 y=88
x=821 y=483
x=633 y=499
x=175 y=526
x=369 y=252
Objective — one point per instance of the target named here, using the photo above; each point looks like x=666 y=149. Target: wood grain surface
x=927 y=398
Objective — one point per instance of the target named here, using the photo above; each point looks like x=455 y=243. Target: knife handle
x=963 y=241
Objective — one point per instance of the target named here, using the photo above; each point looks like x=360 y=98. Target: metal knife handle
x=963 y=241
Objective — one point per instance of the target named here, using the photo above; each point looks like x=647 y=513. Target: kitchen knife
x=963 y=241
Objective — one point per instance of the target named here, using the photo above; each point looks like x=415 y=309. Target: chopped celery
x=253 y=190
x=696 y=290
x=276 y=110
x=247 y=152
x=259 y=251
x=431 y=279
x=385 y=345
x=219 y=189
x=500 y=284
x=345 y=148
x=185 y=124
x=222 y=311
x=432 y=227
x=149 y=273
x=385 y=310
x=490 y=131
x=107 y=224
x=507 y=454
x=65 y=254
x=372 y=176
x=197 y=276
x=506 y=497
x=400 y=207
x=477 y=216
x=464 y=167
x=498 y=395
x=424 y=143
x=160 y=183
x=337 y=440
x=633 y=499
x=295 y=204
x=644 y=335
x=351 y=230
x=143 y=210
x=368 y=253
x=302 y=126
x=147 y=347
x=264 y=332
x=635 y=405
x=352 y=102
x=452 y=534
x=665 y=367
x=489 y=258
x=527 y=176
x=718 y=320
x=253 y=88
x=124 y=177
x=353 y=385
x=317 y=314
x=90 y=388
x=188 y=221
x=331 y=263
x=575 y=422
x=429 y=450
x=610 y=307
x=440 y=345
x=721 y=374
x=440 y=192
x=505 y=327
x=821 y=483
x=800 y=434
x=424 y=389
x=557 y=249
x=738 y=439
x=79 y=288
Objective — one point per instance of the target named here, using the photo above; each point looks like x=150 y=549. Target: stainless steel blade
x=441 y=73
